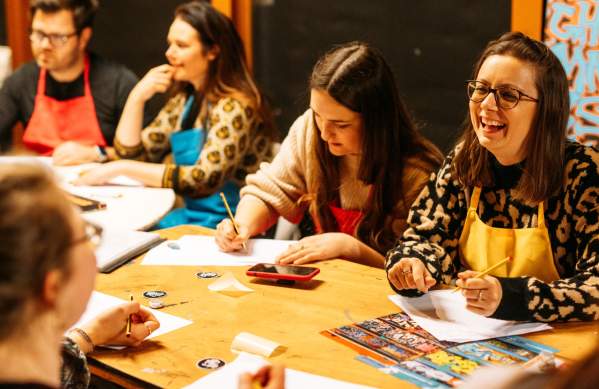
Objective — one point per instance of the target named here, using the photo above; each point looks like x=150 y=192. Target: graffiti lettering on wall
x=572 y=33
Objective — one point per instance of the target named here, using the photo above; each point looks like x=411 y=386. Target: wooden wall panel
x=527 y=17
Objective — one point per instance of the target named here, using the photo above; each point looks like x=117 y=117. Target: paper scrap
x=198 y=250
x=444 y=315
x=250 y=343
x=228 y=376
x=229 y=285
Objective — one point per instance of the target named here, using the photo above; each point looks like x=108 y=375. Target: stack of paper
x=228 y=376
x=118 y=246
x=197 y=250
x=444 y=315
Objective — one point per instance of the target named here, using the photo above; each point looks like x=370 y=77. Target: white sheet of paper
x=229 y=285
x=99 y=302
x=228 y=376
x=197 y=250
x=444 y=315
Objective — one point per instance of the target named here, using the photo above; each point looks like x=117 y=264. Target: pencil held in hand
x=235 y=227
x=490 y=269
x=128 y=332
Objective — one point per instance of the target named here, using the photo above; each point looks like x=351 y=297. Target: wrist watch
x=102 y=154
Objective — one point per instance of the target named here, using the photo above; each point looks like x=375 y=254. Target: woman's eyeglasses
x=91 y=233
x=506 y=97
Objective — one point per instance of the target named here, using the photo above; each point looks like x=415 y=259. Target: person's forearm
x=364 y=254
x=128 y=131
x=150 y=174
x=255 y=215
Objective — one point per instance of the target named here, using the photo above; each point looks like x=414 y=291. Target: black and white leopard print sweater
x=437 y=217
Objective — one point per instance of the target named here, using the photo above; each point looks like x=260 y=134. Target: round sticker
x=207 y=274
x=152 y=294
x=210 y=363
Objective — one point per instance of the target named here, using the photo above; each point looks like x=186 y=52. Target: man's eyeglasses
x=91 y=233
x=56 y=40
x=506 y=97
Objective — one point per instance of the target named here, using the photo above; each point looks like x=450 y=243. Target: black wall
x=3 y=39
x=430 y=44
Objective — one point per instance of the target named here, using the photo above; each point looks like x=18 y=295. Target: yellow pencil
x=128 y=333
x=484 y=273
x=235 y=227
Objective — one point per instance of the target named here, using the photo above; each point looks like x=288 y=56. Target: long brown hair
x=358 y=77
x=543 y=169
x=35 y=234
x=228 y=73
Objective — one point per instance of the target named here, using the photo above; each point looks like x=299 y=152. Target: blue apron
x=186 y=146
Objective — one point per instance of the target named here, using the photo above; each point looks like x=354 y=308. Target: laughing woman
x=216 y=124
x=514 y=186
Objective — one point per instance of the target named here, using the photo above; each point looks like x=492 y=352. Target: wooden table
x=342 y=293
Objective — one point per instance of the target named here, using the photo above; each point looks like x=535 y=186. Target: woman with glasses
x=354 y=160
x=214 y=130
x=47 y=274
x=515 y=187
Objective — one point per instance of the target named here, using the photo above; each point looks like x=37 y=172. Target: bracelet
x=85 y=337
x=102 y=154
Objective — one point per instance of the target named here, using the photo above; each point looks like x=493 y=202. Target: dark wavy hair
x=35 y=234
x=84 y=11
x=228 y=73
x=358 y=77
x=543 y=169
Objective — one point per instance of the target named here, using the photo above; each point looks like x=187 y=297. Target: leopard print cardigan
x=437 y=217
x=233 y=148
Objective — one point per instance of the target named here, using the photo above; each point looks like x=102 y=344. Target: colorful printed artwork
x=394 y=344
x=572 y=33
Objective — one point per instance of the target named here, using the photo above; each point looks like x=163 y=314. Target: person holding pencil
x=515 y=204
x=215 y=128
x=350 y=166
x=47 y=275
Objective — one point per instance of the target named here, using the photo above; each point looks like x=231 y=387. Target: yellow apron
x=482 y=246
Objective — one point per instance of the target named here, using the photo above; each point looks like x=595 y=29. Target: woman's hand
x=268 y=377
x=102 y=174
x=156 y=80
x=483 y=295
x=74 y=153
x=319 y=247
x=410 y=273
x=109 y=327
x=226 y=238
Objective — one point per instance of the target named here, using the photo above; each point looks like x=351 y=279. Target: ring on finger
x=480 y=295
x=406 y=272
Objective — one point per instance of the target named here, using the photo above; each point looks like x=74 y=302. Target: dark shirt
x=110 y=84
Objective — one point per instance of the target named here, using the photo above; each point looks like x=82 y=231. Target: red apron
x=347 y=219
x=54 y=122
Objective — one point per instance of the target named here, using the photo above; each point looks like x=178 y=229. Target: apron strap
x=474 y=199
x=87 y=90
x=541 y=215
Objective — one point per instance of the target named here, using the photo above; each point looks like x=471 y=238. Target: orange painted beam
x=17 y=30
x=527 y=17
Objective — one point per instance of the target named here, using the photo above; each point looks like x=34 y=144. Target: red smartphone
x=283 y=272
